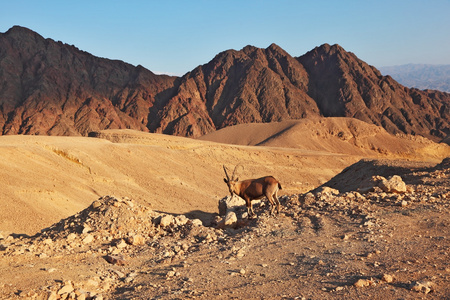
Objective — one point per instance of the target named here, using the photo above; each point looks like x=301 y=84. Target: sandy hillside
x=334 y=135
x=114 y=216
x=45 y=178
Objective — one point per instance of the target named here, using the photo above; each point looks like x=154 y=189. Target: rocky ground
x=382 y=237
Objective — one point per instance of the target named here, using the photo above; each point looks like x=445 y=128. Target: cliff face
x=51 y=88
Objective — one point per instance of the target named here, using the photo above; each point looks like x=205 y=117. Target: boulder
x=230 y=203
x=393 y=184
x=230 y=219
x=166 y=221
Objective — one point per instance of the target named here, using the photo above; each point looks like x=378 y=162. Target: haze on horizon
x=174 y=37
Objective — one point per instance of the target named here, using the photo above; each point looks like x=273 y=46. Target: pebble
x=86 y=229
x=422 y=286
x=116 y=260
x=121 y=244
x=66 y=289
x=363 y=283
x=387 y=278
x=166 y=221
x=89 y=238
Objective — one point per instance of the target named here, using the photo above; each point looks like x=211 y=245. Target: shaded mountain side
x=51 y=88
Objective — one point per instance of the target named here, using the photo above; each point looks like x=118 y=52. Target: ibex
x=253 y=189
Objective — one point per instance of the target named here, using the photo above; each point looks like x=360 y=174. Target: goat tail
x=279 y=186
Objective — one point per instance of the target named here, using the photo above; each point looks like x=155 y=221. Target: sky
x=175 y=36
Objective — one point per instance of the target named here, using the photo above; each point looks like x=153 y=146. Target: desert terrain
x=124 y=214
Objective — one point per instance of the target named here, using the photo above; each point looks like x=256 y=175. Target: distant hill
x=51 y=88
x=329 y=135
x=434 y=77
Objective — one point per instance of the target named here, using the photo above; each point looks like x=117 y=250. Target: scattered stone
x=197 y=222
x=121 y=244
x=170 y=274
x=66 y=289
x=423 y=286
x=326 y=190
x=230 y=203
x=96 y=204
x=135 y=240
x=53 y=295
x=308 y=199
x=363 y=283
x=387 y=278
x=86 y=229
x=116 y=260
x=47 y=241
x=181 y=220
x=394 y=184
x=166 y=221
x=240 y=253
x=71 y=236
x=93 y=282
x=89 y=238
x=230 y=219
x=130 y=277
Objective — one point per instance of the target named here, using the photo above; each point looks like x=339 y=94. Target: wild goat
x=253 y=189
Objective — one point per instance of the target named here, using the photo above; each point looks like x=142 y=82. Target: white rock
x=393 y=184
x=230 y=218
x=86 y=229
x=197 y=222
x=230 y=203
x=71 y=236
x=89 y=238
x=67 y=288
x=181 y=220
x=166 y=221
x=422 y=286
x=121 y=244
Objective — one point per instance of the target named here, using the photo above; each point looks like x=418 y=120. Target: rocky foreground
x=385 y=237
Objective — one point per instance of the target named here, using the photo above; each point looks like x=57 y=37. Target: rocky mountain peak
x=51 y=88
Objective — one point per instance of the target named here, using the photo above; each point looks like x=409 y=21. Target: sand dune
x=334 y=135
x=46 y=178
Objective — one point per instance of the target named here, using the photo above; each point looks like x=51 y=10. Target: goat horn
x=234 y=171
x=226 y=173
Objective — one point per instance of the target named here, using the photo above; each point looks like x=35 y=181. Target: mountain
x=421 y=76
x=343 y=85
x=266 y=85
x=51 y=88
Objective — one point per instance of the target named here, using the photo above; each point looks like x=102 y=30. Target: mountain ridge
x=52 y=88
x=421 y=76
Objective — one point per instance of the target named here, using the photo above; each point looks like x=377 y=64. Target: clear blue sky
x=175 y=36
